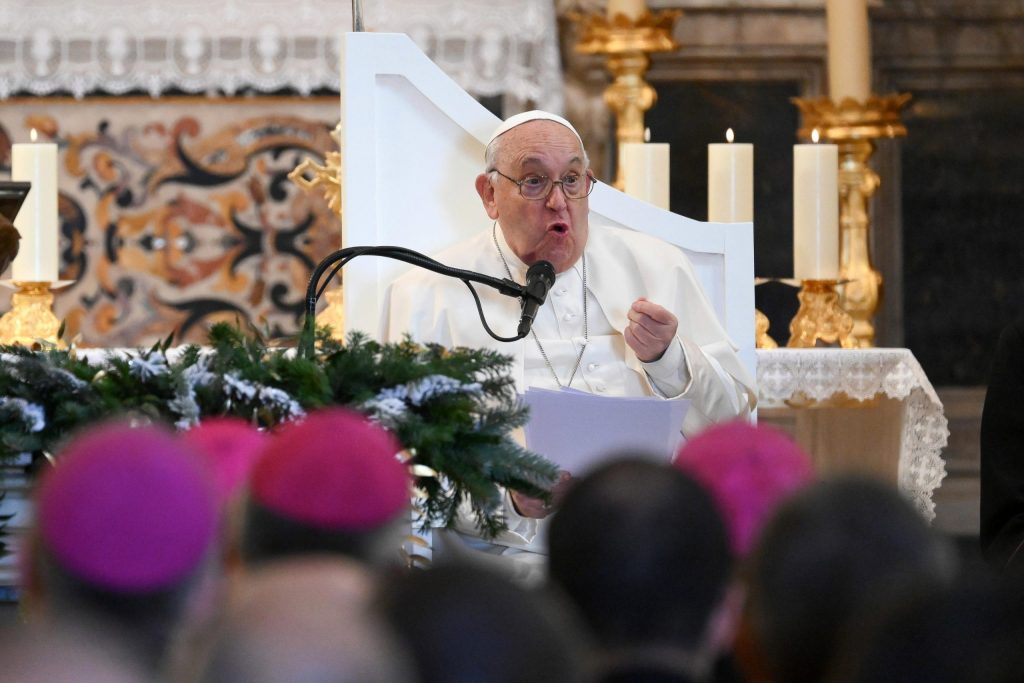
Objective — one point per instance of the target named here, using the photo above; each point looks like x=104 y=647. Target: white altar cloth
x=864 y=410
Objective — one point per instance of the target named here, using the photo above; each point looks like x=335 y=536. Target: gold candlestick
x=627 y=42
x=763 y=339
x=854 y=126
x=820 y=317
x=31 y=321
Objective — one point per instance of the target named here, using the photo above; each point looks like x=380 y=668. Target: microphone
x=539 y=278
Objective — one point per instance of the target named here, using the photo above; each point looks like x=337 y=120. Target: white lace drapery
x=861 y=374
x=197 y=46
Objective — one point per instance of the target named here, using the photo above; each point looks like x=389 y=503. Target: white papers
x=577 y=430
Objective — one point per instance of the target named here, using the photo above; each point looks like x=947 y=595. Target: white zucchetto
x=527 y=116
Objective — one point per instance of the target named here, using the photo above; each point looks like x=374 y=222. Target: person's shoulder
x=617 y=239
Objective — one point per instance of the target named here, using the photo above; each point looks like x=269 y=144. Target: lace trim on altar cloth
x=118 y=46
x=820 y=374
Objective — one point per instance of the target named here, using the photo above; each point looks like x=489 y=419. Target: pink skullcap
x=127 y=509
x=528 y=116
x=749 y=471
x=335 y=470
x=230 y=447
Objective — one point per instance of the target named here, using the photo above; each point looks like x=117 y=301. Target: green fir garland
x=453 y=410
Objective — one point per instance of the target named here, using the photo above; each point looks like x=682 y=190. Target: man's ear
x=485 y=189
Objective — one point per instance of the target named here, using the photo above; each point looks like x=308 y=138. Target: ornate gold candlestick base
x=820 y=317
x=763 y=339
x=627 y=42
x=854 y=126
x=31 y=319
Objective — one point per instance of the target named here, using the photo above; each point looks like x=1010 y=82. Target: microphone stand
x=338 y=259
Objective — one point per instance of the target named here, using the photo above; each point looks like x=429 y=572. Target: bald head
x=305 y=620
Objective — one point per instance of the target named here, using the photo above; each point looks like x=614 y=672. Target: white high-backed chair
x=413 y=143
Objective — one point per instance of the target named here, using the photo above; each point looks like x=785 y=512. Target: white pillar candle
x=645 y=169
x=632 y=9
x=815 y=212
x=730 y=181
x=37 y=221
x=849 y=49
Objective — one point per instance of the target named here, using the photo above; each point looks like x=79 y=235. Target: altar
x=864 y=411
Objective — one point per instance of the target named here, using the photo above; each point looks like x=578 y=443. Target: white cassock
x=622 y=265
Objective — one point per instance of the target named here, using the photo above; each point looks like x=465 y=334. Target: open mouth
x=558 y=228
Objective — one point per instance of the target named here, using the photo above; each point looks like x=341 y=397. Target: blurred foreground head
x=970 y=632
x=642 y=550
x=305 y=619
x=125 y=537
x=466 y=624
x=833 y=549
x=41 y=655
x=330 y=483
x=230 y=447
x=749 y=470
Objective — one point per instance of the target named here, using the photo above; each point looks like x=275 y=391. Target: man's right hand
x=537 y=508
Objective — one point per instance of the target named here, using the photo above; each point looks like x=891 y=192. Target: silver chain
x=540 y=347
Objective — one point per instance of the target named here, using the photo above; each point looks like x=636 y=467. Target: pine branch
x=454 y=409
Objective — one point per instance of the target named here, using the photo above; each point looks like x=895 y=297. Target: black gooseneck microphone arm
x=314 y=290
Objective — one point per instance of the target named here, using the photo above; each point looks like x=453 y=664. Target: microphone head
x=541 y=270
x=539 y=279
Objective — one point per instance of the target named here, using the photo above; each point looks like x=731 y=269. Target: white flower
x=236 y=387
x=197 y=375
x=438 y=385
x=185 y=407
x=69 y=379
x=32 y=414
x=281 y=401
x=277 y=400
x=152 y=366
x=400 y=392
x=388 y=409
x=425 y=389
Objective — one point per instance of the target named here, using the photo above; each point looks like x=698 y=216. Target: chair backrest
x=412 y=144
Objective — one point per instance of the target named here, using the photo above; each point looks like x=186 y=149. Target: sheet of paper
x=577 y=430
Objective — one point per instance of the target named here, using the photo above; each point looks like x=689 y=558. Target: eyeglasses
x=538 y=187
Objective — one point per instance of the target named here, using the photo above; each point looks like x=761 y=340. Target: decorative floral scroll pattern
x=179 y=213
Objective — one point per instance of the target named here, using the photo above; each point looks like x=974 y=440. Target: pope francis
x=626 y=315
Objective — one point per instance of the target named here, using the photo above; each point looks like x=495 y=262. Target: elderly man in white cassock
x=626 y=315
